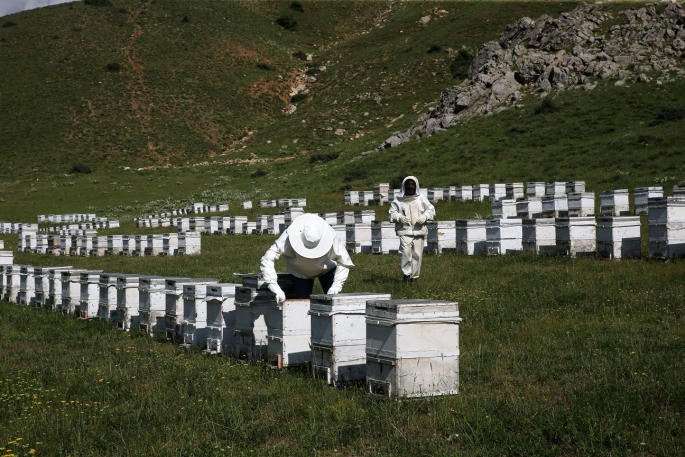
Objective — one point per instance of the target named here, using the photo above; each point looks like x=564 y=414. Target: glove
x=421 y=220
x=404 y=220
x=276 y=289
x=334 y=290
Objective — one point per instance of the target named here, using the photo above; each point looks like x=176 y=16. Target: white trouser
x=411 y=252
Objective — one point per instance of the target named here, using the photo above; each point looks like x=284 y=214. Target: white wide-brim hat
x=310 y=236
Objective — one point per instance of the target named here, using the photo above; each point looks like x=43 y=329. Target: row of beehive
x=96 y=225
x=193 y=208
x=85 y=244
x=284 y=203
x=59 y=218
x=382 y=194
x=612 y=203
x=399 y=347
x=14 y=227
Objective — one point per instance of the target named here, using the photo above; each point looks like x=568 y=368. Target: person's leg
x=417 y=256
x=326 y=280
x=406 y=255
x=302 y=288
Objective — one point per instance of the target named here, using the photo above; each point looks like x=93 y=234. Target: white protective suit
x=301 y=267
x=410 y=215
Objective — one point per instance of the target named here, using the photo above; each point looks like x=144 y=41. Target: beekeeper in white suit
x=311 y=250
x=410 y=212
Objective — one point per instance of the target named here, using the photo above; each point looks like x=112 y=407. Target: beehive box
x=54 y=300
x=535 y=189
x=441 y=235
x=330 y=218
x=358 y=237
x=463 y=193
x=481 y=192
x=666 y=209
x=364 y=216
x=140 y=245
x=195 y=312
x=152 y=304
x=173 y=307
x=250 y=228
x=211 y=224
x=338 y=335
x=127 y=302
x=275 y=224
x=470 y=236
x=618 y=237
x=529 y=209
x=155 y=244
x=65 y=245
x=503 y=236
x=412 y=347
x=221 y=318
x=290 y=214
x=497 y=192
x=642 y=195
x=246 y=205
x=351 y=197
x=539 y=235
x=27 y=285
x=666 y=228
x=555 y=206
x=345 y=217
x=89 y=299
x=380 y=193
x=614 y=203
x=6 y=257
x=71 y=291
x=42 y=285
x=189 y=243
x=515 y=190
x=262 y=221
x=384 y=239
x=581 y=204
x=115 y=244
x=107 y=296
x=366 y=197
x=575 y=187
x=238 y=224
x=182 y=224
x=555 y=188
x=503 y=209
x=435 y=194
x=288 y=333
x=3 y=280
x=576 y=235
x=449 y=192
x=170 y=243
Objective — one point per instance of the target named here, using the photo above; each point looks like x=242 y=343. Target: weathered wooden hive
x=441 y=235
x=288 y=333
x=470 y=236
x=614 y=203
x=503 y=236
x=221 y=318
x=539 y=235
x=618 y=237
x=576 y=235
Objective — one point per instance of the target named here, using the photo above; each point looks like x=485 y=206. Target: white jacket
x=411 y=207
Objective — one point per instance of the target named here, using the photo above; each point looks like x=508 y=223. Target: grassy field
x=559 y=356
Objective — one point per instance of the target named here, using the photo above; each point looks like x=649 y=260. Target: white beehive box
x=152 y=304
x=41 y=285
x=576 y=235
x=189 y=243
x=618 y=237
x=275 y=224
x=535 y=189
x=555 y=188
x=504 y=236
x=140 y=245
x=238 y=224
x=575 y=187
x=250 y=228
x=435 y=194
x=182 y=224
x=212 y=225
x=666 y=227
x=497 y=191
x=581 y=204
x=515 y=190
x=384 y=239
x=345 y=217
x=170 y=244
x=364 y=216
x=338 y=335
x=27 y=286
x=291 y=214
x=262 y=221
x=107 y=297
x=195 y=312
x=221 y=318
x=614 y=203
x=393 y=194
x=89 y=300
x=412 y=347
x=481 y=192
x=529 y=209
x=555 y=206
x=54 y=300
x=330 y=218
x=666 y=209
x=380 y=193
x=71 y=291
x=441 y=235
x=358 y=239
x=288 y=333
x=115 y=244
x=503 y=209
x=65 y=245
x=250 y=322
x=470 y=236
x=351 y=197
x=449 y=192
x=13 y=276
x=366 y=197
x=246 y=205
x=642 y=195
x=127 y=302
x=6 y=257
x=155 y=244
x=463 y=193
x=539 y=235
x=3 y=280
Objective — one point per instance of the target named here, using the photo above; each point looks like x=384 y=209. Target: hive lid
x=223 y=290
x=345 y=302
x=412 y=309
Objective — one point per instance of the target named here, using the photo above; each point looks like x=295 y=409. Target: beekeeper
x=311 y=250
x=410 y=212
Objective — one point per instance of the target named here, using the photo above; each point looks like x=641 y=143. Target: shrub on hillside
x=113 y=67
x=295 y=99
x=287 y=22
x=259 y=173
x=97 y=2
x=297 y=6
x=300 y=55
x=80 y=168
x=434 y=48
x=9 y=24
x=265 y=66
x=313 y=71
x=324 y=157
x=548 y=105
x=460 y=64
x=668 y=114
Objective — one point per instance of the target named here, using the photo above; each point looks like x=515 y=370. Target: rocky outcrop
x=570 y=52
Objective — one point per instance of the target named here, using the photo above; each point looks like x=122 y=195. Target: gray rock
x=642 y=78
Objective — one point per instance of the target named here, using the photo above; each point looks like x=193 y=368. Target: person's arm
x=342 y=269
x=268 y=267
x=395 y=215
x=428 y=213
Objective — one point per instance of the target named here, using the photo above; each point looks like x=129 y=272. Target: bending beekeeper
x=410 y=212
x=311 y=250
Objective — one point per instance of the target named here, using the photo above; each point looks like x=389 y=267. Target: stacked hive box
x=441 y=235
x=535 y=189
x=288 y=333
x=497 y=192
x=358 y=237
x=175 y=306
x=366 y=197
x=71 y=291
x=555 y=188
x=412 y=347
x=529 y=209
x=503 y=236
x=54 y=300
x=581 y=204
x=380 y=193
x=576 y=235
x=90 y=294
x=667 y=227
x=107 y=300
x=614 y=203
x=127 y=302
x=555 y=205
x=364 y=216
x=539 y=235
x=195 y=312
x=338 y=336
x=221 y=318
x=481 y=192
x=515 y=190
x=351 y=197
x=384 y=240
x=470 y=236
x=152 y=304
x=618 y=237
x=574 y=187
x=463 y=193
x=642 y=196
x=503 y=208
